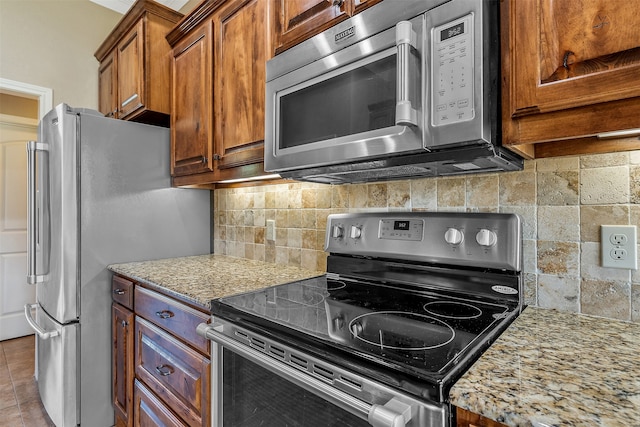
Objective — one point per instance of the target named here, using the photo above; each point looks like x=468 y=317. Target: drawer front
x=173 y=316
x=151 y=412
x=122 y=291
x=179 y=375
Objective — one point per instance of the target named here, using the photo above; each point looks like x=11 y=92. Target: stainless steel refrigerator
x=99 y=193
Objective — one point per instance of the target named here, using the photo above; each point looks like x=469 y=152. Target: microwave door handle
x=405 y=41
x=32 y=212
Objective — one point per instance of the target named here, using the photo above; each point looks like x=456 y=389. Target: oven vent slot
x=258 y=343
x=325 y=373
x=276 y=351
x=351 y=382
x=298 y=361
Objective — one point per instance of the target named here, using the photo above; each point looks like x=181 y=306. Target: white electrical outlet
x=619 y=246
x=271 y=230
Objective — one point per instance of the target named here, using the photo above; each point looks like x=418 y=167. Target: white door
x=14 y=291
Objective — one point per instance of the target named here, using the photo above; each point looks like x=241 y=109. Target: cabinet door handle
x=164 y=370
x=164 y=314
x=125 y=323
x=119 y=291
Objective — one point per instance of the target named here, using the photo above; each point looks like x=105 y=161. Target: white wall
x=50 y=43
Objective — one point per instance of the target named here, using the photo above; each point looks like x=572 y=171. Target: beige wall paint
x=50 y=43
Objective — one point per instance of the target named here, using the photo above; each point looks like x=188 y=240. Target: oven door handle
x=392 y=414
x=405 y=41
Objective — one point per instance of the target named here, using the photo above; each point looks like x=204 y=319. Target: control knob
x=453 y=236
x=356 y=232
x=486 y=238
x=337 y=231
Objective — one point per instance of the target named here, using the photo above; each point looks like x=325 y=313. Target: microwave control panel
x=452 y=74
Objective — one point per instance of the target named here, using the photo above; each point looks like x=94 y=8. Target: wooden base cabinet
x=150 y=411
x=161 y=367
x=469 y=419
x=571 y=71
x=122 y=351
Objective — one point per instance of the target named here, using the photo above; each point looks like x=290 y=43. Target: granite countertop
x=200 y=279
x=551 y=368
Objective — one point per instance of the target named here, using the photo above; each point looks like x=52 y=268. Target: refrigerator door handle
x=32 y=218
x=45 y=335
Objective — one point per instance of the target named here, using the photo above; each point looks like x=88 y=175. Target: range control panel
x=472 y=239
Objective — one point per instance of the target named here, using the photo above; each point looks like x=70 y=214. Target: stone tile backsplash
x=563 y=201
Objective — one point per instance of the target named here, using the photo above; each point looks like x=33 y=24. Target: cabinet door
x=191 y=104
x=177 y=374
x=122 y=359
x=241 y=46
x=150 y=411
x=469 y=419
x=571 y=69
x=297 y=20
x=131 y=71
x=107 y=96
x=360 y=5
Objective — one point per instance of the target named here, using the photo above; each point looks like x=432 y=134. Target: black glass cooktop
x=419 y=332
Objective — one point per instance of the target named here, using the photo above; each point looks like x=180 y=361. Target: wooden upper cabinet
x=297 y=20
x=571 y=70
x=131 y=71
x=108 y=85
x=241 y=50
x=191 y=103
x=134 y=65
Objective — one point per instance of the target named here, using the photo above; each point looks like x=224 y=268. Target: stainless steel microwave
x=406 y=88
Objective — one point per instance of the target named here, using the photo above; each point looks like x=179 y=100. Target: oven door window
x=357 y=98
x=254 y=396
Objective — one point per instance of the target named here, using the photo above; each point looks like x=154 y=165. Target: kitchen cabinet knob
x=165 y=314
x=119 y=291
x=125 y=323
x=336 y=2
x=164 y=370
x=217 y=157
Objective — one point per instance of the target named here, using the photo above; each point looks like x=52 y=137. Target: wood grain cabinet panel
x=571 y=70
x=150 y=411
x=122 y=364
x=108 y=85
x=297 y=20
x=174 y=372
x=241 y=52
x=469 y=419
x=192 y=125
x=134 y=65
x=173 y=316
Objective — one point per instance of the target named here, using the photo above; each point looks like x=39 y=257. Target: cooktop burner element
x=401 y=302
x=452 y=309
x=401 y=330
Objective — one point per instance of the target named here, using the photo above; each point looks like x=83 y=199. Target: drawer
x=122 y=291
x=177 y=318
x=150 y=411
x=179 y=375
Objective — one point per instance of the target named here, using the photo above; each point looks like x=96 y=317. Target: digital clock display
x=456 y=30
x=401 y=225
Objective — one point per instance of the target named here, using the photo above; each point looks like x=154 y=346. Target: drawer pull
x=119 y=291
x=164 y=370
x=164 y=314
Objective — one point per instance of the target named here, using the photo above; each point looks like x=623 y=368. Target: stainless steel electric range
x=408 y=303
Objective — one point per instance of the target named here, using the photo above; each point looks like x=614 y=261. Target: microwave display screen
x=456 y=30
x=359 y=99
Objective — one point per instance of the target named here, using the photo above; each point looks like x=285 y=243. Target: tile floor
x=20 y=405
